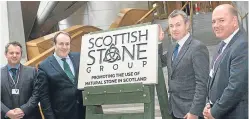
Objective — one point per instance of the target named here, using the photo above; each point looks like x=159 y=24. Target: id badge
x=15 y=91
x=211 y=74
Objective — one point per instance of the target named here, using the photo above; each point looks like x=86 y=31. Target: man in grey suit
x=19 y=92
x=228 y=82
x=187 y=62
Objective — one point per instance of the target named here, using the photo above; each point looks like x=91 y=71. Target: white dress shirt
x=228 y=39
x=182 y=41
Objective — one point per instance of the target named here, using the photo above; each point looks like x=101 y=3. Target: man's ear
x=235 y=21
x=188 y=25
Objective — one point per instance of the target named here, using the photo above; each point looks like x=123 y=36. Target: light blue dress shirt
x=68 y=60
x=9 y=67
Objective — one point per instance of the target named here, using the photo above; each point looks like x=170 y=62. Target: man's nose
x=64 y=46
x=173 y=28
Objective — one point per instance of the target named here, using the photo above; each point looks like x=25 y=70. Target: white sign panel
x=121 y=56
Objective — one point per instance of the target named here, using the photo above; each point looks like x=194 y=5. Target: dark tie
x=216 y=56
x=68 y=70
x=222 y=44
x=175 y=52
x=13 y=70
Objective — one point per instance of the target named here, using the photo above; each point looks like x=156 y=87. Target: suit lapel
x=21 y=77
x=210 y=82
x=170 y=53
x=217 y=64
x=58 y=68
x=5 y=79
x=215 y=56
x=181 y=53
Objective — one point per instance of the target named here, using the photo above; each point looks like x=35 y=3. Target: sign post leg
x=149 y=108
x=162 y=93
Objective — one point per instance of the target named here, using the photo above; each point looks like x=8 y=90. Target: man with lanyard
x=228 y=82
x=19 y=93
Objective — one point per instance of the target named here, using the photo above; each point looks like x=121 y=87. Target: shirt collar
x=16 y=66
x=183 y=40
x=227 y=40
x=59 y=58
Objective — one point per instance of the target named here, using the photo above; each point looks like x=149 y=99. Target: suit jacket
x=60 y=98
x=187 y=78
x=28 y=96
x=228 y=87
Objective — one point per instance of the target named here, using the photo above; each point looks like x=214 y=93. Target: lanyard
x=212 y=73
x=224 y=47
x=216 y=61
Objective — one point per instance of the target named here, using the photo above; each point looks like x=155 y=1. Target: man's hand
x=10 y=114
x=15 y=114
x=161 y=33
x=205 y=111
x=18 y=111
x=208 y=115
x=190 y=116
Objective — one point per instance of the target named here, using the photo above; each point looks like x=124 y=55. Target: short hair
x=14 y=43
x=179 y=12
x=60 y=32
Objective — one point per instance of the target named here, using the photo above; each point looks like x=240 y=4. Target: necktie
x=13 y=70
x=221 y=46
x=68 y=70
x=216 y=56
x=175 y=52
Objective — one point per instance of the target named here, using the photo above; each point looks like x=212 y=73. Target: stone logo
x=112 y=54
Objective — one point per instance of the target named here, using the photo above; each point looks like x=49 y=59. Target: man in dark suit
x=187 y=62
x=58 y=75
x=19 y=93
x=228 y=82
